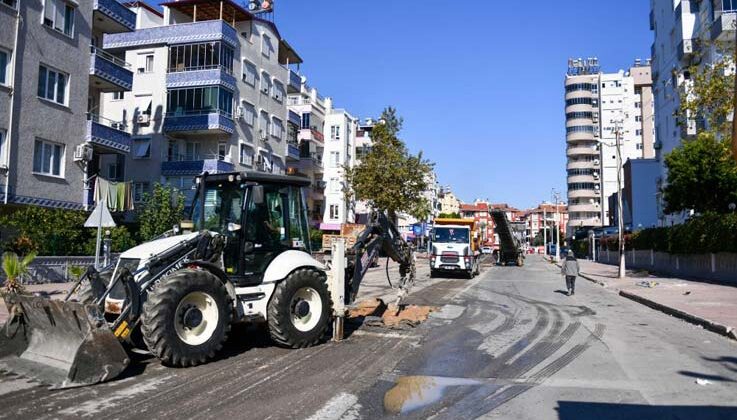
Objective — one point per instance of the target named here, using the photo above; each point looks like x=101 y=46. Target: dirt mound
x=377 y=313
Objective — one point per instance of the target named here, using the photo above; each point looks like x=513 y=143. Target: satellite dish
x=253 y=5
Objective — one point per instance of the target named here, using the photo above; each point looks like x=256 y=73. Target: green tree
x=449 y=216
x=389 y=177
x=702 y=176
x=46 y=231
x=707 y=95
x=160 y=211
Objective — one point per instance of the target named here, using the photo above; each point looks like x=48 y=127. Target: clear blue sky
x=480 y=87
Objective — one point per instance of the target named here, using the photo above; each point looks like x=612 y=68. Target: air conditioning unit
x=596 y=134
x=263 y=135
x=141 y=69
x=143 y=119
x=240 y=112
x=82 y=153
x=265 y=90
x=596 y=162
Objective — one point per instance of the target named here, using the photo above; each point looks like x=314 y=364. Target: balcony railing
x=214 y=75
x=293 y=151
x=108 y=134
x=199 y=120
x=110 y=72
x=117 y=18
x=722 y=29
x=205 y=31
x=195 y=167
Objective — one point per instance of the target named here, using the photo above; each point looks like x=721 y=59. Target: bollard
x=336 y=282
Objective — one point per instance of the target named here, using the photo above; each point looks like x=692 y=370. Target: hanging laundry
x=118 y=195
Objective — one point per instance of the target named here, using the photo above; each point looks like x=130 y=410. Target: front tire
x=186 y=318
x=300 y=309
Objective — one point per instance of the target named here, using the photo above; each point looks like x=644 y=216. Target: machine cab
x=260 y=215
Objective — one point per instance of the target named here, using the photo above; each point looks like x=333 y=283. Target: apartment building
x=545 y=215
x=601 y=110
x=340 y=146
x=209 y=93
x=479 y=211
x=449 y=203
x=686 y=33
x=363 y=147
x=52 y=73
x=307 y=108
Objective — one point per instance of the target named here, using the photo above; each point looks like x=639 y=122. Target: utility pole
x=556 y=197
x=620 y=212
x=545 y=230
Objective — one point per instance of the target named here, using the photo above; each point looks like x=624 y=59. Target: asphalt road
x=504 y=345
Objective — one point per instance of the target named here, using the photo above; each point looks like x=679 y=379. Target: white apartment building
x=309 y=108
x=600 y=107
x=209 y=93
x=339 y=152
x=686 y=33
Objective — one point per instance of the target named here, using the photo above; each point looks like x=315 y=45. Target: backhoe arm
x=380 y=234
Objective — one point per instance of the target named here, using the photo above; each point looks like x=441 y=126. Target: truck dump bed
x=509 y=245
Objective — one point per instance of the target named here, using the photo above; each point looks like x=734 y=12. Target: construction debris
x=375 y=312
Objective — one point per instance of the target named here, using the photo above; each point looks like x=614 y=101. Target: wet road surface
x=507 y=344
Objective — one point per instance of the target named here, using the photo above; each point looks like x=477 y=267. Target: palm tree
x=15 y=268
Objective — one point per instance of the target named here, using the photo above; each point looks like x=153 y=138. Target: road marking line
x=336 y=407
x=384 y=334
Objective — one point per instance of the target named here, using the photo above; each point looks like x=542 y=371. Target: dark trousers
x=571 y=282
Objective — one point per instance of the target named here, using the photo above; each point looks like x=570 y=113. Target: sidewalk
x=712 y=306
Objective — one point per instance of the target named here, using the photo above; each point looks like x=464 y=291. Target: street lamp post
x=620 y=211
x=556 y=222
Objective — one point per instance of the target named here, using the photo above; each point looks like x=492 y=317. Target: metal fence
x=721 y=268
x=54 y=269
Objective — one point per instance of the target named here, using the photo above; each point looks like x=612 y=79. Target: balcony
x=183 y=33
x=292 y=152
x=195 y=167
x=584 y=193
x=581 y=150
x=109 y=135
x=216 y=75
x=112 y=17
x=199 y=122
x=294 y=118
x=311 y=161
x=295 y=82
x=109 y=73
x=722 y=29
x=311 y=134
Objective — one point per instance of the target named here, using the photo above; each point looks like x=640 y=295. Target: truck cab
x=455 y=247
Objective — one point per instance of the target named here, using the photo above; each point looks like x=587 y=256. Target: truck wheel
x=186 y=318
x=300 y=309
x=433 y=273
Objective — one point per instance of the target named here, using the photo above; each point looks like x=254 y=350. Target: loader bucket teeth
x=61 y=344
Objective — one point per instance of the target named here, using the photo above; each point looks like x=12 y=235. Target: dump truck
x=243 y=256
x=455 y=247
x=510 y=248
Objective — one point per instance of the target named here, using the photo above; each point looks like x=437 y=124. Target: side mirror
x=258 y=194
x=233 y=227
x=248 y=247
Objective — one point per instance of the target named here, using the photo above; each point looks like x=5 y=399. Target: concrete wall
x=721 y=268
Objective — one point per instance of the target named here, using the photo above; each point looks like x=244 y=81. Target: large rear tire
x=300 y=309
x=186 y=318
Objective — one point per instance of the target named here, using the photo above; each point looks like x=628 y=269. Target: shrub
x=708 y=233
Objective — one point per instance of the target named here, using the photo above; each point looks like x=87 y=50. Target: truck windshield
x=223 y=205
x=451 y=235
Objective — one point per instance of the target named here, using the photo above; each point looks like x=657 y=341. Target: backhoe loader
x=243 y=256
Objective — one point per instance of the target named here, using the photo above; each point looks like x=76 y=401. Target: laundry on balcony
x=119 y=195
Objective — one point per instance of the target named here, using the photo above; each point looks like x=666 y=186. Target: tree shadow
x=728 y=362
x=575 y=410
x=716 y=378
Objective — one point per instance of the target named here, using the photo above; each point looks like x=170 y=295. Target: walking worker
x=570 y=270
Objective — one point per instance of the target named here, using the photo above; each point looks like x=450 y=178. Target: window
x=202 y=56
x=59 y=15
x=200 y=99
x=335 y=132
x=192 y=151
x=579 y=101
x=335 y=185
x=580 y=86
x=638 y=118
x=266 y=47
x=10 y=3
x=246 y=155
x=52 y=85
x=118 y=96
x=4 y=67
x=581 y=129
x=334 y=159
x=277 y=128
x=223 y=151
x=265 y=83
x=248 y=113
x=638 y=132
x=639 y=146
x=2 y=147
x=264 y=124
x=638 y=105
x=279 y=92
x=139 y=189
x=145 y=63
x=249 y=73
x=142 y=148
x=149 y=63
x=334 y=211
x=578 y=115
x=47 y=158
x=306 y=120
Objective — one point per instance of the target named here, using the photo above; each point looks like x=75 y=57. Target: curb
x=712 y=326
x=593 y=280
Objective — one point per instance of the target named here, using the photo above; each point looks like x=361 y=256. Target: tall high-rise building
x=601 y=108
x=686 y=33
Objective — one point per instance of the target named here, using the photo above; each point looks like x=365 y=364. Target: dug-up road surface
x=506 y=344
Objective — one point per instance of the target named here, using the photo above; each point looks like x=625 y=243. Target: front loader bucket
x=62 y=344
